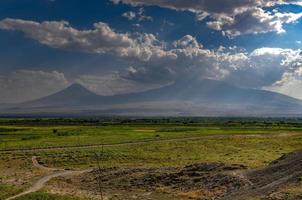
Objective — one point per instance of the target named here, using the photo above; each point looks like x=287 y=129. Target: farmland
x=130 y=153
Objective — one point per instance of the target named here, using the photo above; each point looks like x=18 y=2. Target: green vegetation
x=18 y=134
x=248 y=142
x=46 y=196
x=252 y=152
x=7 y=190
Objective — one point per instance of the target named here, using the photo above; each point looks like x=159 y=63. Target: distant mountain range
x=184 y=98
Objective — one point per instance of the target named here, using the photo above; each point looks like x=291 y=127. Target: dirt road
x=241 y=184
x=39 y=184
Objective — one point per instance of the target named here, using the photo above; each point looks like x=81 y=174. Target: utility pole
x=99 y=172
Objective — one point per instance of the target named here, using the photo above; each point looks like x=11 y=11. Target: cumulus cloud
x=190 y=60
x=257 y=69
x=253 y=21
x=289 y=84
x=199 y=6
x=59 y=34
x=102 y=39
x=264 y=67
x=28 y=85
x=152 y=61
x=232 y=17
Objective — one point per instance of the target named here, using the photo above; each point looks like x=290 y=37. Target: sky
x=121 y=46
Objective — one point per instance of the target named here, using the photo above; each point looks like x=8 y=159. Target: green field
x=23 y=136
x=147 y=145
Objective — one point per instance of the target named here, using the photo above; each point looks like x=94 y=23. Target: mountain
x=194 y=97
x=74 y=95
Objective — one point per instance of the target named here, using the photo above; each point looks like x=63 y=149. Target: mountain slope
x=74 y=95
x=194 y=97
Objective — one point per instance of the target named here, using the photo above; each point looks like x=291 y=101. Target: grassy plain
x=24 y=136
x=253 y=144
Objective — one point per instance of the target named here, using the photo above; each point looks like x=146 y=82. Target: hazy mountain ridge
x=196 y=97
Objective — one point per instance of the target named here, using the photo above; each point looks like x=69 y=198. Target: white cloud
x=156 y=62
x=232 y=17
x=288 y=85
x=253 y=21
x=139 y=15
x=291 y=81
x=129 y=15
x=25 y=85
x=265 y=66
x=59 y=34
x=190 y=60
x=102 y=39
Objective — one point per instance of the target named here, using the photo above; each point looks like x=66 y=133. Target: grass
x=250 y=151
x=24 y=137
x=8 y=190
x=46 y=196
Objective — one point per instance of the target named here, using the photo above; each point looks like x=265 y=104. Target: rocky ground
x=267 y=182
x=279 y=180
x=200 y=180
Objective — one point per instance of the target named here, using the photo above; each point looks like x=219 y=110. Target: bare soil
x=196 y=181
x=202 y=180
x=281 y=172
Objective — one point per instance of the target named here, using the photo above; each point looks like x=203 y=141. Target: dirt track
x=234 y=182
x=238 y=182
x=39 y=184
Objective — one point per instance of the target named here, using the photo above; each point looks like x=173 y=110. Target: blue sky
x=141 y=45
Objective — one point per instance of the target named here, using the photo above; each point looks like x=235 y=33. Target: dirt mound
x=287 y=168
x=211 y=178
x=211 y=167
x=204 y=180
x=209 y=175
x=281 y=172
